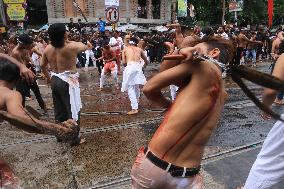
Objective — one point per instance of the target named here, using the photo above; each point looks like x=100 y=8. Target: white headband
x=132 y=43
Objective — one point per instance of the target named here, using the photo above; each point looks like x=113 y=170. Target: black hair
x=25 y=39
x=135 y=40
x=56 y=34
x=9 y=71
x=207 y=31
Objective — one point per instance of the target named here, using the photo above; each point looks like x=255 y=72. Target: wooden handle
x=174 y=57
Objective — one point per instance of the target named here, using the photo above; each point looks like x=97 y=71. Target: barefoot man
x=11 y=110
x=173 y=157
x=109 y=57
x=61 y=56
x=133 y=74
x=22 y=53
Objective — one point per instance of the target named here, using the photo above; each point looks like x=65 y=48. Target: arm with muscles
x=179 y=36
x=269 y=95
x=26 y=73
x=20 y=118
x=78 y=47
x=43 y=65
x=89 y=45
x=177 y=57
x=153 y=87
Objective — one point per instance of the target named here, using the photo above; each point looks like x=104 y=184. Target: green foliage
x=254 y=12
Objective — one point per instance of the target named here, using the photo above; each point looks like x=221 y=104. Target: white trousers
x=268 y=169
x=89 y=53
x=134 y=95
x=103 y=77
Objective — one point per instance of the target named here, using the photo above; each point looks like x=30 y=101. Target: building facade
x=130 y=11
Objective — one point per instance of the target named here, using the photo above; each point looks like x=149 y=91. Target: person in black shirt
x=71 y=25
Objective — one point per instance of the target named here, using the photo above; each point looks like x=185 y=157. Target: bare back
x=198 y=106
x=133 y=54
x=242 y=40
x=63 y=59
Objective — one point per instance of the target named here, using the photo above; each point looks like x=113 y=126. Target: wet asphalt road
x=113 y=138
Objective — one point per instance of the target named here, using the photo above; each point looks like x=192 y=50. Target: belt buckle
x=177 y=173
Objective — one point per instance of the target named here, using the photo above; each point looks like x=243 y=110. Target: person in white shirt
x=116 y=43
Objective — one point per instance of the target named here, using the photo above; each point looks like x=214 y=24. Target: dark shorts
x=61 y=99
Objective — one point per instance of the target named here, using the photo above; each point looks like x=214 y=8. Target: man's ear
x=214 y=53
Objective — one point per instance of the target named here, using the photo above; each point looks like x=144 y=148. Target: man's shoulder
x=12 y=95
x=16 y=53
x=281 y=58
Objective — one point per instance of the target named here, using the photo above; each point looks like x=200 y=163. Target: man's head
x=71 y=20
x=9 y=72
x=106 y=46
x=107 y=33
x=79 y=20
x=100 y=19
x=116 y=33
x=25 y=41
x=221 y=29
x=217 y=48
x=57 y=35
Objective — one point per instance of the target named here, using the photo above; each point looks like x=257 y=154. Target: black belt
x=175 y=171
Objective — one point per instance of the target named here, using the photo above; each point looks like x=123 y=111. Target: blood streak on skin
x=214 y=95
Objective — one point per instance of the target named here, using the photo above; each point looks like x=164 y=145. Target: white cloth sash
x=133 y=75
x=74 y=91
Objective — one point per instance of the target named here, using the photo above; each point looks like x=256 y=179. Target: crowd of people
x=191 y=64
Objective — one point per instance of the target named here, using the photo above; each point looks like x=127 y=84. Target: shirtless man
x=22 y=53
x=275 y=53
x=109 y=57
x=251 y=49
x=275 y=45
x=133 y=74
x=242 y=41
x=61 y=56
x=173 y=156
x=116 y=43
x=11 y=110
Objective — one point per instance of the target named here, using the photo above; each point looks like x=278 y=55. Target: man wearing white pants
x=109 y=57
x=89 y=54
x=268 y=169
x=112 y=68
x=133 y=74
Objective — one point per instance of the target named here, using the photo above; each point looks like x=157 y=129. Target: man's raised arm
x=43 y=65
x=153 y=87
x=269 y=95
x=26 y=73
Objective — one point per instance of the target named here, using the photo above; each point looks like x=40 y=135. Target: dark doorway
x=37 y=12
x=142 y=9
x=156 y=11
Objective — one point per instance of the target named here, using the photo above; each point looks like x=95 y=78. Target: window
x=142 y=9
x=156 y=9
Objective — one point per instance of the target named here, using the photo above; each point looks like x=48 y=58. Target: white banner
x=112 y=3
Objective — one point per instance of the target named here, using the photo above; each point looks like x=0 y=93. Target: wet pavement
x=113 y=139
